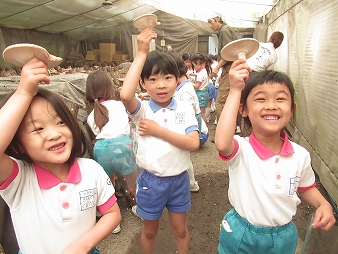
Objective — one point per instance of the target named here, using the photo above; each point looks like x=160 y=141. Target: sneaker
x=238 y=129
x=117 y=229
x=133 y=209
x=195 y=187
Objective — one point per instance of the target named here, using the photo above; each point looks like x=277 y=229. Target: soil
x=209 y=205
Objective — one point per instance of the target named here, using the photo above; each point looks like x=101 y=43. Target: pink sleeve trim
x=104 y=207
x=11 y=177
x=227 y=158
x=301 y=189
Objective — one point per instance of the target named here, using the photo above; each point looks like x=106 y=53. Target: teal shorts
x=203 y=97
x=116 y=155
x=237 y=235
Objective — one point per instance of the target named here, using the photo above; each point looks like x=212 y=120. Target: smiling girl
x=53 y=194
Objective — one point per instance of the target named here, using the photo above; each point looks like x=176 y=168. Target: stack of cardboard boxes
x=106 y=53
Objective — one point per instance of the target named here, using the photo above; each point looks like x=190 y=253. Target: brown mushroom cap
x=248 y=46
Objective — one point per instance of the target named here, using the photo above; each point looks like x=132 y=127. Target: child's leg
x=131 y=182
x=180 y=231
x=148 y=236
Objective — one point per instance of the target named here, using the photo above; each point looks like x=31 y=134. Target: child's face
x=43 y=135
x=161 y=87
x=187 y=63
x=269 y=108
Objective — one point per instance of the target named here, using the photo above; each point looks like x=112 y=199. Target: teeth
x=271 y=117
x=56 y=147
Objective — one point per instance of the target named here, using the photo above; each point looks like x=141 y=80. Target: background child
x=202 y=66
x=167 y=131
x=191 y=74
x=52 y=193
x=266 y=170
x=113 y=148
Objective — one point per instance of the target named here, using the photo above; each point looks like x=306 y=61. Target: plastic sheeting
x=309 y=56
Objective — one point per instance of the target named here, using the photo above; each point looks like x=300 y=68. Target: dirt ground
x=209 y=205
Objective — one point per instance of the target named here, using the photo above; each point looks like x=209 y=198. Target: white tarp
x=309 y=56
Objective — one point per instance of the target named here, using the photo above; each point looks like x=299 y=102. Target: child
x=186 y=57
x=52 y=193
x=266 y=170
x=266 y=55
x=185 y=92
x=202 y=66
x=167 y=131
x=113 y=148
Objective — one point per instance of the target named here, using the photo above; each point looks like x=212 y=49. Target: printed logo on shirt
x=180 y=118
x=88 y=199
x=294 y=182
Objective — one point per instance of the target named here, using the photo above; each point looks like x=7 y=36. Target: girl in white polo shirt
x=53 y=194
x=266 y=170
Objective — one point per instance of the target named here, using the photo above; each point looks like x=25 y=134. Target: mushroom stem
x=241 y=55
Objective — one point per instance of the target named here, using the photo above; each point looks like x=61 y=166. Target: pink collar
x=47 y=180
x=265 y=153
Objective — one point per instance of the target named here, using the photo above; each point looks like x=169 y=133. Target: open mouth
x=270 y=117
x=56 y=147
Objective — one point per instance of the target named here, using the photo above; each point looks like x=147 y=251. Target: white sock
x=207 y=112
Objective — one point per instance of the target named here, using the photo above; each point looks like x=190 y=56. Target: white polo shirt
x=263 y=186
x=49 y=214
x=118 y=123
x=264 y=58
x=156 y=155
x=186 y=92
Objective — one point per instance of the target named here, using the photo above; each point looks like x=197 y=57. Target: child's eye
x=37 y=129
x=152 y=79
x=60 y=122
x=168 y=77
x=281 y=99
x=260 y=99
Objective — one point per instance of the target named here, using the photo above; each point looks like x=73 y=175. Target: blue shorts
x=116 y=155
x=248 y=238
x=212 y=91
x=154 y=193
x=203 y=138
x=203 y=97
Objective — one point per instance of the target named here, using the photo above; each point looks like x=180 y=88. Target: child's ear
x=142 y=83
x=242 y=110
x=294 y=107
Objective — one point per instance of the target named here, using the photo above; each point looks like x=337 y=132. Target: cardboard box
x=108 y=48
x=90 y=57
x=106 y=57
x=121 y=57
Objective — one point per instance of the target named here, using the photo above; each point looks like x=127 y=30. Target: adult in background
x=266 y=55
x=225 y=35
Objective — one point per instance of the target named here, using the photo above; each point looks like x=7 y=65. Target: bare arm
x=109 y=220
x=226 y=125
x=216 y=69
x=127 y=93
x=12 y=113
x=188 y=142
x=324 y=218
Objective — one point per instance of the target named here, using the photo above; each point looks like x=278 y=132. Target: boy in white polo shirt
x=167 y=131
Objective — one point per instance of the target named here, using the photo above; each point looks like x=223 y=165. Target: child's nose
x=53 y=134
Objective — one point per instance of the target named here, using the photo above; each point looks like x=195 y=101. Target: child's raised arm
x=13 y=111
x=127 y=93
x=226 y=125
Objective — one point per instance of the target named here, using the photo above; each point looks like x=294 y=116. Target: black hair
x=159 y=62
x=199 y=57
